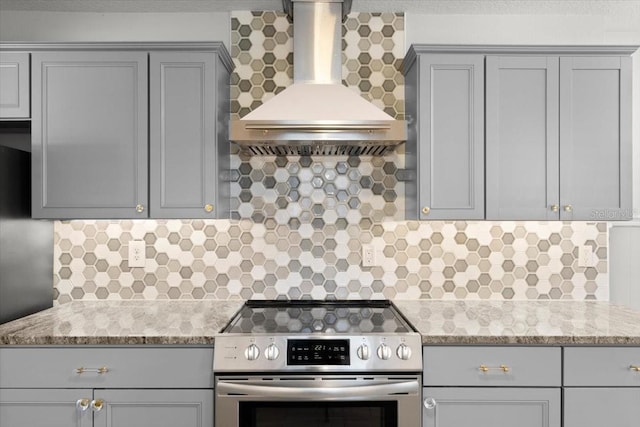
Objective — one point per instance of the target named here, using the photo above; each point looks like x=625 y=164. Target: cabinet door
x=595 y=138
x=14 y=85
x=44 y=408
x=450 y=137
x=155 y=408
x=89 y=134
x=183 y=135
x=491 y=407
x=597 y=407
x=522 y=138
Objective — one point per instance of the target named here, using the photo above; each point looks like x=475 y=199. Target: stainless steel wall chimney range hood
x=317 y=115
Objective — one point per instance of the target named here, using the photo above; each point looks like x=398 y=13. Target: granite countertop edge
x=439 y=322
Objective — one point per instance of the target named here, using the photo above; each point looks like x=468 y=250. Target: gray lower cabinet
x=89 y=134
x=83 y=386
x=44 y=408
x=188 y=117
x=105 y=408
x=14 y=85
x=597 y=407
x=558 y=138
x=602 y=386
x=491 y=407
x=154 y=408
x=445 y=144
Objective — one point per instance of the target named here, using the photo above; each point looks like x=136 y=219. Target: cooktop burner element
x=328 y=336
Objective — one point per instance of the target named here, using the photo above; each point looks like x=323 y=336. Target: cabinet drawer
x=492 y=366
x=602 y=366
x=154 y=367
x=14 y=85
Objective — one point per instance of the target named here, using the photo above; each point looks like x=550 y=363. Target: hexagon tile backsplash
x=298 y=223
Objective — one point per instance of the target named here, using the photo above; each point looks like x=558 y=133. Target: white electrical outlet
x=368 y=256
x=137 y=253
x=586 y=257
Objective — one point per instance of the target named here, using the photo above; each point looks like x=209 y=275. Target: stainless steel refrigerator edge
x=26 y=245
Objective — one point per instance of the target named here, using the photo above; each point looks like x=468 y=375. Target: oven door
x=318 y=401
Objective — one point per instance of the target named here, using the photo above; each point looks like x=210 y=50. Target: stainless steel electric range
x=318 y=363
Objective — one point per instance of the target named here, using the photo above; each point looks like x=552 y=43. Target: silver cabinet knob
x=403 y=352
x=555 y=208
x=429 y=403
x=208 y=208
x=82 y=405
x=139 y=208
x=426 y=210
x=252 y=352
x=568 y=208
x=363 y=352
x=272 y=352
x=384 y=352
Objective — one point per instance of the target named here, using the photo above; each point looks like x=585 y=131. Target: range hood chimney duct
x=317 y=115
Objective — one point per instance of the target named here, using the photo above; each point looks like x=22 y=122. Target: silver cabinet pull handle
x=635 y=368
x=101 y=370
x=429 y=403
x=503 y=368
x=97 y=405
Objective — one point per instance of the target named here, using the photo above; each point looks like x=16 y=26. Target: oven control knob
x=403 y=352
x=272 y=352
x=252 y=352
x=363 y=352
x=384 y=352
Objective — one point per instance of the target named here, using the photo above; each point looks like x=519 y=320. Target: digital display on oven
x=318 y=352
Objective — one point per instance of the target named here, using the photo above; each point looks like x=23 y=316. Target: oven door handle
x=324 y=393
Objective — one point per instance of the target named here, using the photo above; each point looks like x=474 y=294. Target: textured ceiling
x=506 y=7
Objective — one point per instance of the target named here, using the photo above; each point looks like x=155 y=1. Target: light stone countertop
x=439 y=322
x=523 y=322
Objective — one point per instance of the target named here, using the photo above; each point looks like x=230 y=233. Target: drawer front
x=602 y=366
x=492 y=366
x=54 y=367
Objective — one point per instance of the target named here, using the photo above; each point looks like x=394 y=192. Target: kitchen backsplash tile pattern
x=221 y=259
x=299 y=223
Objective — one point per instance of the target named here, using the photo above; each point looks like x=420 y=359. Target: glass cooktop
x=318 y=317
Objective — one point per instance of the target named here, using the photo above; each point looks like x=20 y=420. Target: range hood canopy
x=317 y=114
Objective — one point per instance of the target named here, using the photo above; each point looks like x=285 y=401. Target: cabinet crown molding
x=533 y=50
x=209 y=46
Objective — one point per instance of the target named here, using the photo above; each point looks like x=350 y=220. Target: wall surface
x=279 y=219
x=299 y=223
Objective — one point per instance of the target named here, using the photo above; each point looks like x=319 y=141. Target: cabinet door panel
x=597 y=407
x=89 y=134
x=183 y=135
x=14 y=85
x=43 y=408
x=595 y=135
x=491 y=407
x=451 y=137
x=522 y=138
x=155 y=408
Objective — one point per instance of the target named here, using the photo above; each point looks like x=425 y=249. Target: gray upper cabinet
x=185 y=165
x=522 y=143
x=89 y=134
x=14 y=85
x=127 y=130
x=558 y=137
x=595 y=138
x=445 y=146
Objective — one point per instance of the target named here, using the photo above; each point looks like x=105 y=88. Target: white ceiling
x=502 y=7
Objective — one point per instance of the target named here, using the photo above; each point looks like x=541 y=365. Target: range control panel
x=243 y=353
